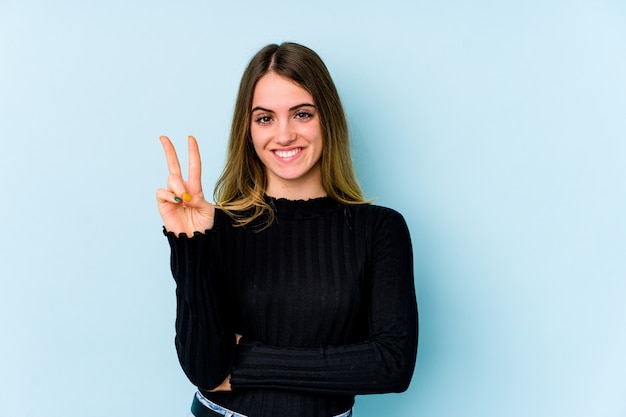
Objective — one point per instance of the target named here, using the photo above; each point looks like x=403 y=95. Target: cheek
x=258 y=146
x=257 y=149
x=316 y=136
x=313 y=132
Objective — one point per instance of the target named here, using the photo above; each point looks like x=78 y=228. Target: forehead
x=274 y=92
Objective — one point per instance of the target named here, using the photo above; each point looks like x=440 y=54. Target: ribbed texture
x=324 y=299
x=204 y=335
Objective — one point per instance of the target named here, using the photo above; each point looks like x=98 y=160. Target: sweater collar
x=314 y=207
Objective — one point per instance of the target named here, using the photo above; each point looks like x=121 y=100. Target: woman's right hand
x=182 y=206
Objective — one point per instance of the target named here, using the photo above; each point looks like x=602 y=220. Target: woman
x=293 y=293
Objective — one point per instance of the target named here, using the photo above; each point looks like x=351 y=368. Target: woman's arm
x=205 y=339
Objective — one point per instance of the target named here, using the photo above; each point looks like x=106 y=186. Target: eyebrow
x=296 y=107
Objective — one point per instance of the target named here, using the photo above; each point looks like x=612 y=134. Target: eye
x=303 y=115
x=263 y=120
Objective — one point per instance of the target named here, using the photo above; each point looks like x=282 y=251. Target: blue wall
x=497 y=127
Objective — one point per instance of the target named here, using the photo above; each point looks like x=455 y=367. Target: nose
x=285 y=134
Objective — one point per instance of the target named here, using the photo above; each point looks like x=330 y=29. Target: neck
x=291 y=191
x=303 y=188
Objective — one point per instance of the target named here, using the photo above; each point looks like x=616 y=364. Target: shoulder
x=377 y=213
x=379 y=220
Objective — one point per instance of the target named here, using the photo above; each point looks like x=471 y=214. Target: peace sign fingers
x=182 y=206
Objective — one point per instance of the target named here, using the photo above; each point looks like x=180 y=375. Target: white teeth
x=287 y=154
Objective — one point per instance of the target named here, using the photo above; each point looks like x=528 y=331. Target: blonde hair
x=241 y=186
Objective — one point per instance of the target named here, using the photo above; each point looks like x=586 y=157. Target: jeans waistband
x=202 y=407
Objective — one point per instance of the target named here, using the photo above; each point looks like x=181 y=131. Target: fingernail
x=187 y=197
x=177 y=199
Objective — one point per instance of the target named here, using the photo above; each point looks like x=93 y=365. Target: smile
x=288 y=153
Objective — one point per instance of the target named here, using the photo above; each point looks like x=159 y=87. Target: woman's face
x=287 y=137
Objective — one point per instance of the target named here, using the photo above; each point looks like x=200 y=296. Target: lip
x=287 y=154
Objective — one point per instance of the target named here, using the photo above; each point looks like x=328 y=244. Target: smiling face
x=287 y=138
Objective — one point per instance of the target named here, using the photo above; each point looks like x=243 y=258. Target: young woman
x=294 y=294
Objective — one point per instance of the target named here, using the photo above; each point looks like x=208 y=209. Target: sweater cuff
x=172 y=236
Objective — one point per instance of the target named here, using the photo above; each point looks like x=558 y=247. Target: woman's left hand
x=225 y=385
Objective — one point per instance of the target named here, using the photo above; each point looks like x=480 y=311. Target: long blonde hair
x=241 y=186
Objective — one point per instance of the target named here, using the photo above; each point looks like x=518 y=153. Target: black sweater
x=324 y=299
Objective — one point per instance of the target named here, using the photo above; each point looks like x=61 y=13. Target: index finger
x=170 y=155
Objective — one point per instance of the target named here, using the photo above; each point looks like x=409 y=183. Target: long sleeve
x=384 y=361
x=205 y=338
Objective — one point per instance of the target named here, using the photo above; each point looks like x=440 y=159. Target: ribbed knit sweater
x=324 y=298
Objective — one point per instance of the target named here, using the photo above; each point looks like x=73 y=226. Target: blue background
x=498 y=128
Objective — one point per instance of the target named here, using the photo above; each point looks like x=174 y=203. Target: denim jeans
x=215 y=407
x=229 y=413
